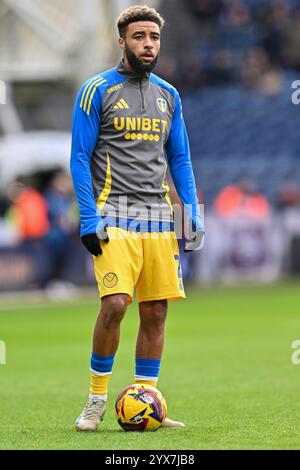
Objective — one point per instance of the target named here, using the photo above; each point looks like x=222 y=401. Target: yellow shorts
x=148 y=262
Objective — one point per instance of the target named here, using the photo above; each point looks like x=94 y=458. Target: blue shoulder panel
x=163 y=84
x=85 y=133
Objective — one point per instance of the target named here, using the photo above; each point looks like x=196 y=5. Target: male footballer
x=127 y=129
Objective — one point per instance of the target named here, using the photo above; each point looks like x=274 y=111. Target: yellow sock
x=99 y=384
x=146 y=382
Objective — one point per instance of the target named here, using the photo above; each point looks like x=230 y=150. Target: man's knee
x=113 y=309
x=153 y=314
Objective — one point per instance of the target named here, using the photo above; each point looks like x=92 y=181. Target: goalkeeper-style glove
x=92 y=241
x=196 y=243
x=197 y=239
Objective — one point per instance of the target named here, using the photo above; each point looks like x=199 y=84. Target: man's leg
x=105 y=344
x=150 y=341
x=107 y=329
x=149 y=347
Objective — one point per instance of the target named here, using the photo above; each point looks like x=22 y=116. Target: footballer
x=128 y=128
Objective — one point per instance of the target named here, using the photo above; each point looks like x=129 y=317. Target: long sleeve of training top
x=85 y=131
x=179 y=160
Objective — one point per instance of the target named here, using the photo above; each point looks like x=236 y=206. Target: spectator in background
x=289 y=197
x=8 y=233
x=259 y=74
x=234 y=41
x=244 y=242
x=4 y=204
x=274 y=21
x=291 y=42
x=59 y=199
x=29 y=215
x=28 y=212
x=206 y=10
x=238 y=30
x=289 y=220
x=242 y=199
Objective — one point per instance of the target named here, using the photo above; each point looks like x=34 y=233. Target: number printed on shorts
x=179 y=272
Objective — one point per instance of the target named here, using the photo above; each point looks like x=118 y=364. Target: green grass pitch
x=226 y=372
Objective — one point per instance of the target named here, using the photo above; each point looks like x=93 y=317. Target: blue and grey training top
x=126 y=130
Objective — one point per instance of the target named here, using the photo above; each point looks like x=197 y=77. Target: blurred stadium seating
x=237 y=133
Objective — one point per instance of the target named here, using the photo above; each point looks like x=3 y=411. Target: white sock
x=97 y=397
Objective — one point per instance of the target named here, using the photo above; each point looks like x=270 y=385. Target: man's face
x=141 y=45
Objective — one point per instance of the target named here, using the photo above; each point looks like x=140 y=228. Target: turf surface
x=227 y=372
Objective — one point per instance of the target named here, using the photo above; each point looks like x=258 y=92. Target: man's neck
x=127 y=65
x=130 y=69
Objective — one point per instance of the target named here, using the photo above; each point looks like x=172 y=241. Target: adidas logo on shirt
x=121 y=104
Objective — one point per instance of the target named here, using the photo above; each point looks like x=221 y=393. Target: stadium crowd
x=39 y=219
x=246 y=239
x=232 y=41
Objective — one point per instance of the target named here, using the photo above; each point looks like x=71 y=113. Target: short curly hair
x=138 y=13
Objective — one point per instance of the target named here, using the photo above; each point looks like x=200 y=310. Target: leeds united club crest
x=162 y=104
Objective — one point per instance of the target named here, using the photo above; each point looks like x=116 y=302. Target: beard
x=137 y=65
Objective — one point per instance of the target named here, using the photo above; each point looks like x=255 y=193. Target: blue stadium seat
x=237 y=133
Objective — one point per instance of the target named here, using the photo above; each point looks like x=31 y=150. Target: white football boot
x=170 y=424
x=92 y=414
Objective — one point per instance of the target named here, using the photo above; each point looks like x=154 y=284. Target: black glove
x=92 y=242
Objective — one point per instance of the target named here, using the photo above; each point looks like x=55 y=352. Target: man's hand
x=196 y=239
x=196 y=243
x=92 y=242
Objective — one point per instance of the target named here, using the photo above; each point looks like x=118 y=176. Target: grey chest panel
x=141 y=108
x=136 y=120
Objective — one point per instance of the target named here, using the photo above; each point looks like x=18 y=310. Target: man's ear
x=122 y=43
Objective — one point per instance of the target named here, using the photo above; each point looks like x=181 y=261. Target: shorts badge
x=110 y=280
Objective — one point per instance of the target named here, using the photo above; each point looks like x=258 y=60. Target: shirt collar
x=132 y=74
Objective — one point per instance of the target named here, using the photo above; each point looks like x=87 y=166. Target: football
x=140 y=407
